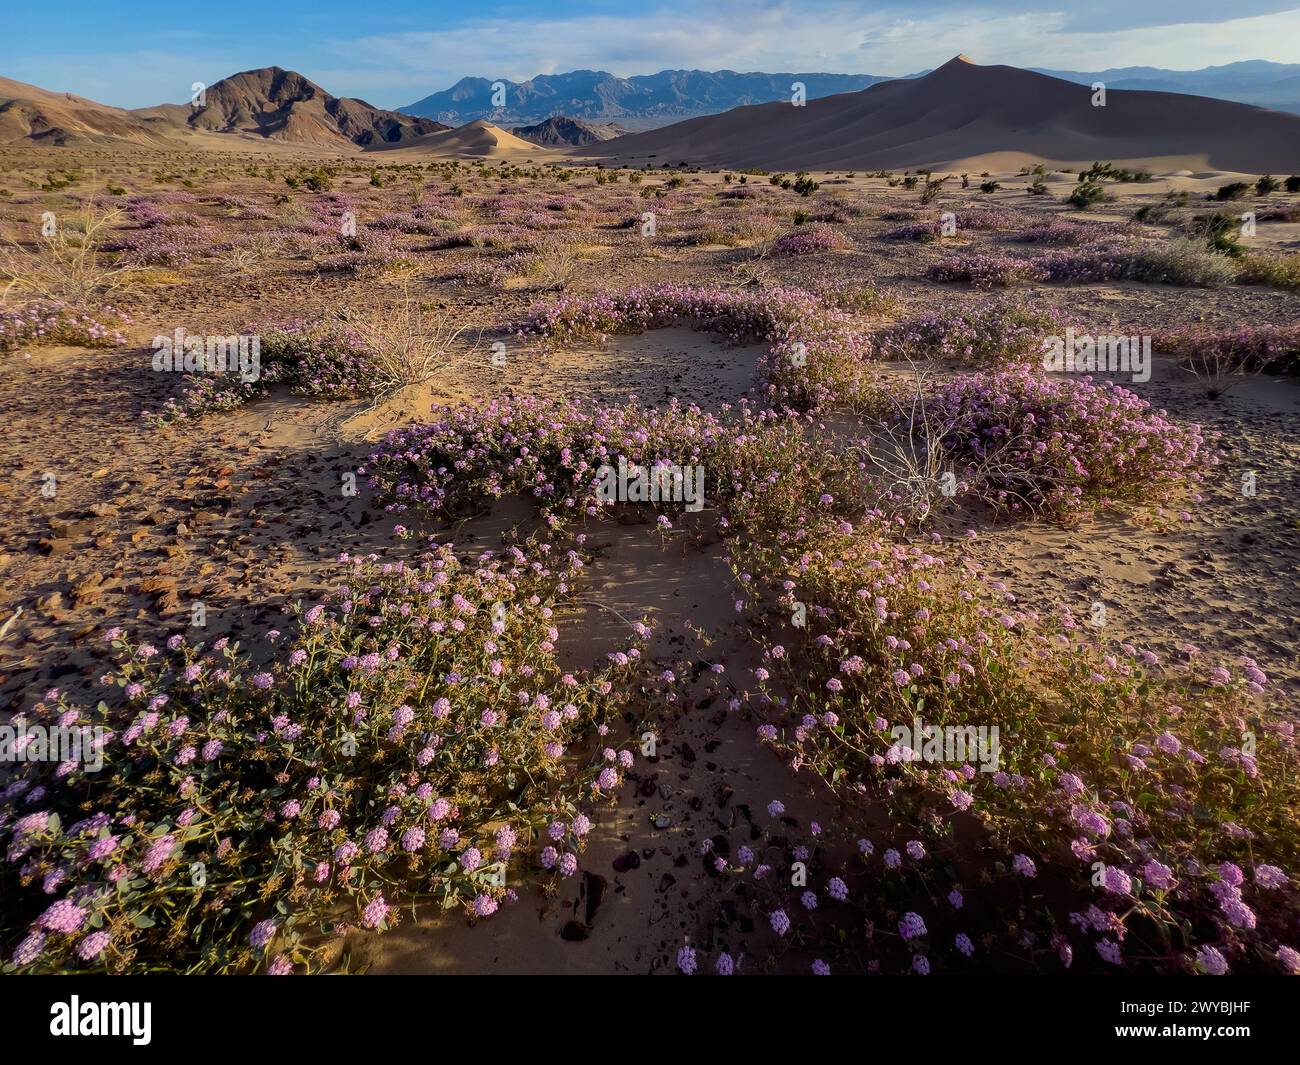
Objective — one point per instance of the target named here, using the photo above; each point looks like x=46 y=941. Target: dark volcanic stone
x=575 y=932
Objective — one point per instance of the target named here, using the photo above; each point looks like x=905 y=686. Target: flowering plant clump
x=1141 y=790
x=819 y=353
x=1063 y=232
x=465 y=457
x=1064 y=446
x=317 y=358
x=1259 y=348
x=985 y=270
x=983 y=218
x=50 y=322
x=161 y=245
x=809 y=239
x=426 y=221
x=325 y=359
x=933 y=229
x=1180 y=262
x=366 y=251
x=145 y=213
x=1097 y=262
x=413 y=737
x=993 y=334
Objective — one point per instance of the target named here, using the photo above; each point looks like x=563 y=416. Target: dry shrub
x=555 y=266
x=410 y=343
x=67 y=266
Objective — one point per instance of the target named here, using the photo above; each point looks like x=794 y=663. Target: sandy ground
x=1216 y=581
x=239 y=510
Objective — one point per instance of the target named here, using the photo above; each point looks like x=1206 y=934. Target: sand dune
x=973 y=117
x=479 y=139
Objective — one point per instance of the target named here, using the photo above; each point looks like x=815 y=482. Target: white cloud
x=788 y=37
x=894 y=38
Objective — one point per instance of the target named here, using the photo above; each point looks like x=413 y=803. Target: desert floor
x=238 y=510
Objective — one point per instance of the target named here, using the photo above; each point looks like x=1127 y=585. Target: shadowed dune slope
x=963 y=114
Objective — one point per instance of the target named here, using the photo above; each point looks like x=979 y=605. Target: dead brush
x=249 y=255
x=751 y=272
x=410 y=343
x=1217 y=369
x=555 y=266
x=65 y=265
x=912 y=470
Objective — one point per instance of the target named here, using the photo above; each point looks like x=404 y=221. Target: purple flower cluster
x=809 y=239
x=1032 y=442
x=50 y=322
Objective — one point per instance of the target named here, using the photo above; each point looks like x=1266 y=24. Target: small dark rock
x=594 y=886
x=575 y=932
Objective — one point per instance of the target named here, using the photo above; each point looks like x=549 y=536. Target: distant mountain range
x=1254 y=81
x=960 y=116
x=562 y=132
x=645 y=101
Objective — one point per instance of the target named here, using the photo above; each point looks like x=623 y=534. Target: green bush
x=1220 y=230
x=1234 y=191
x=1085 y=194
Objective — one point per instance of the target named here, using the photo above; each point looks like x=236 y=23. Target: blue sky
x=143 y=52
